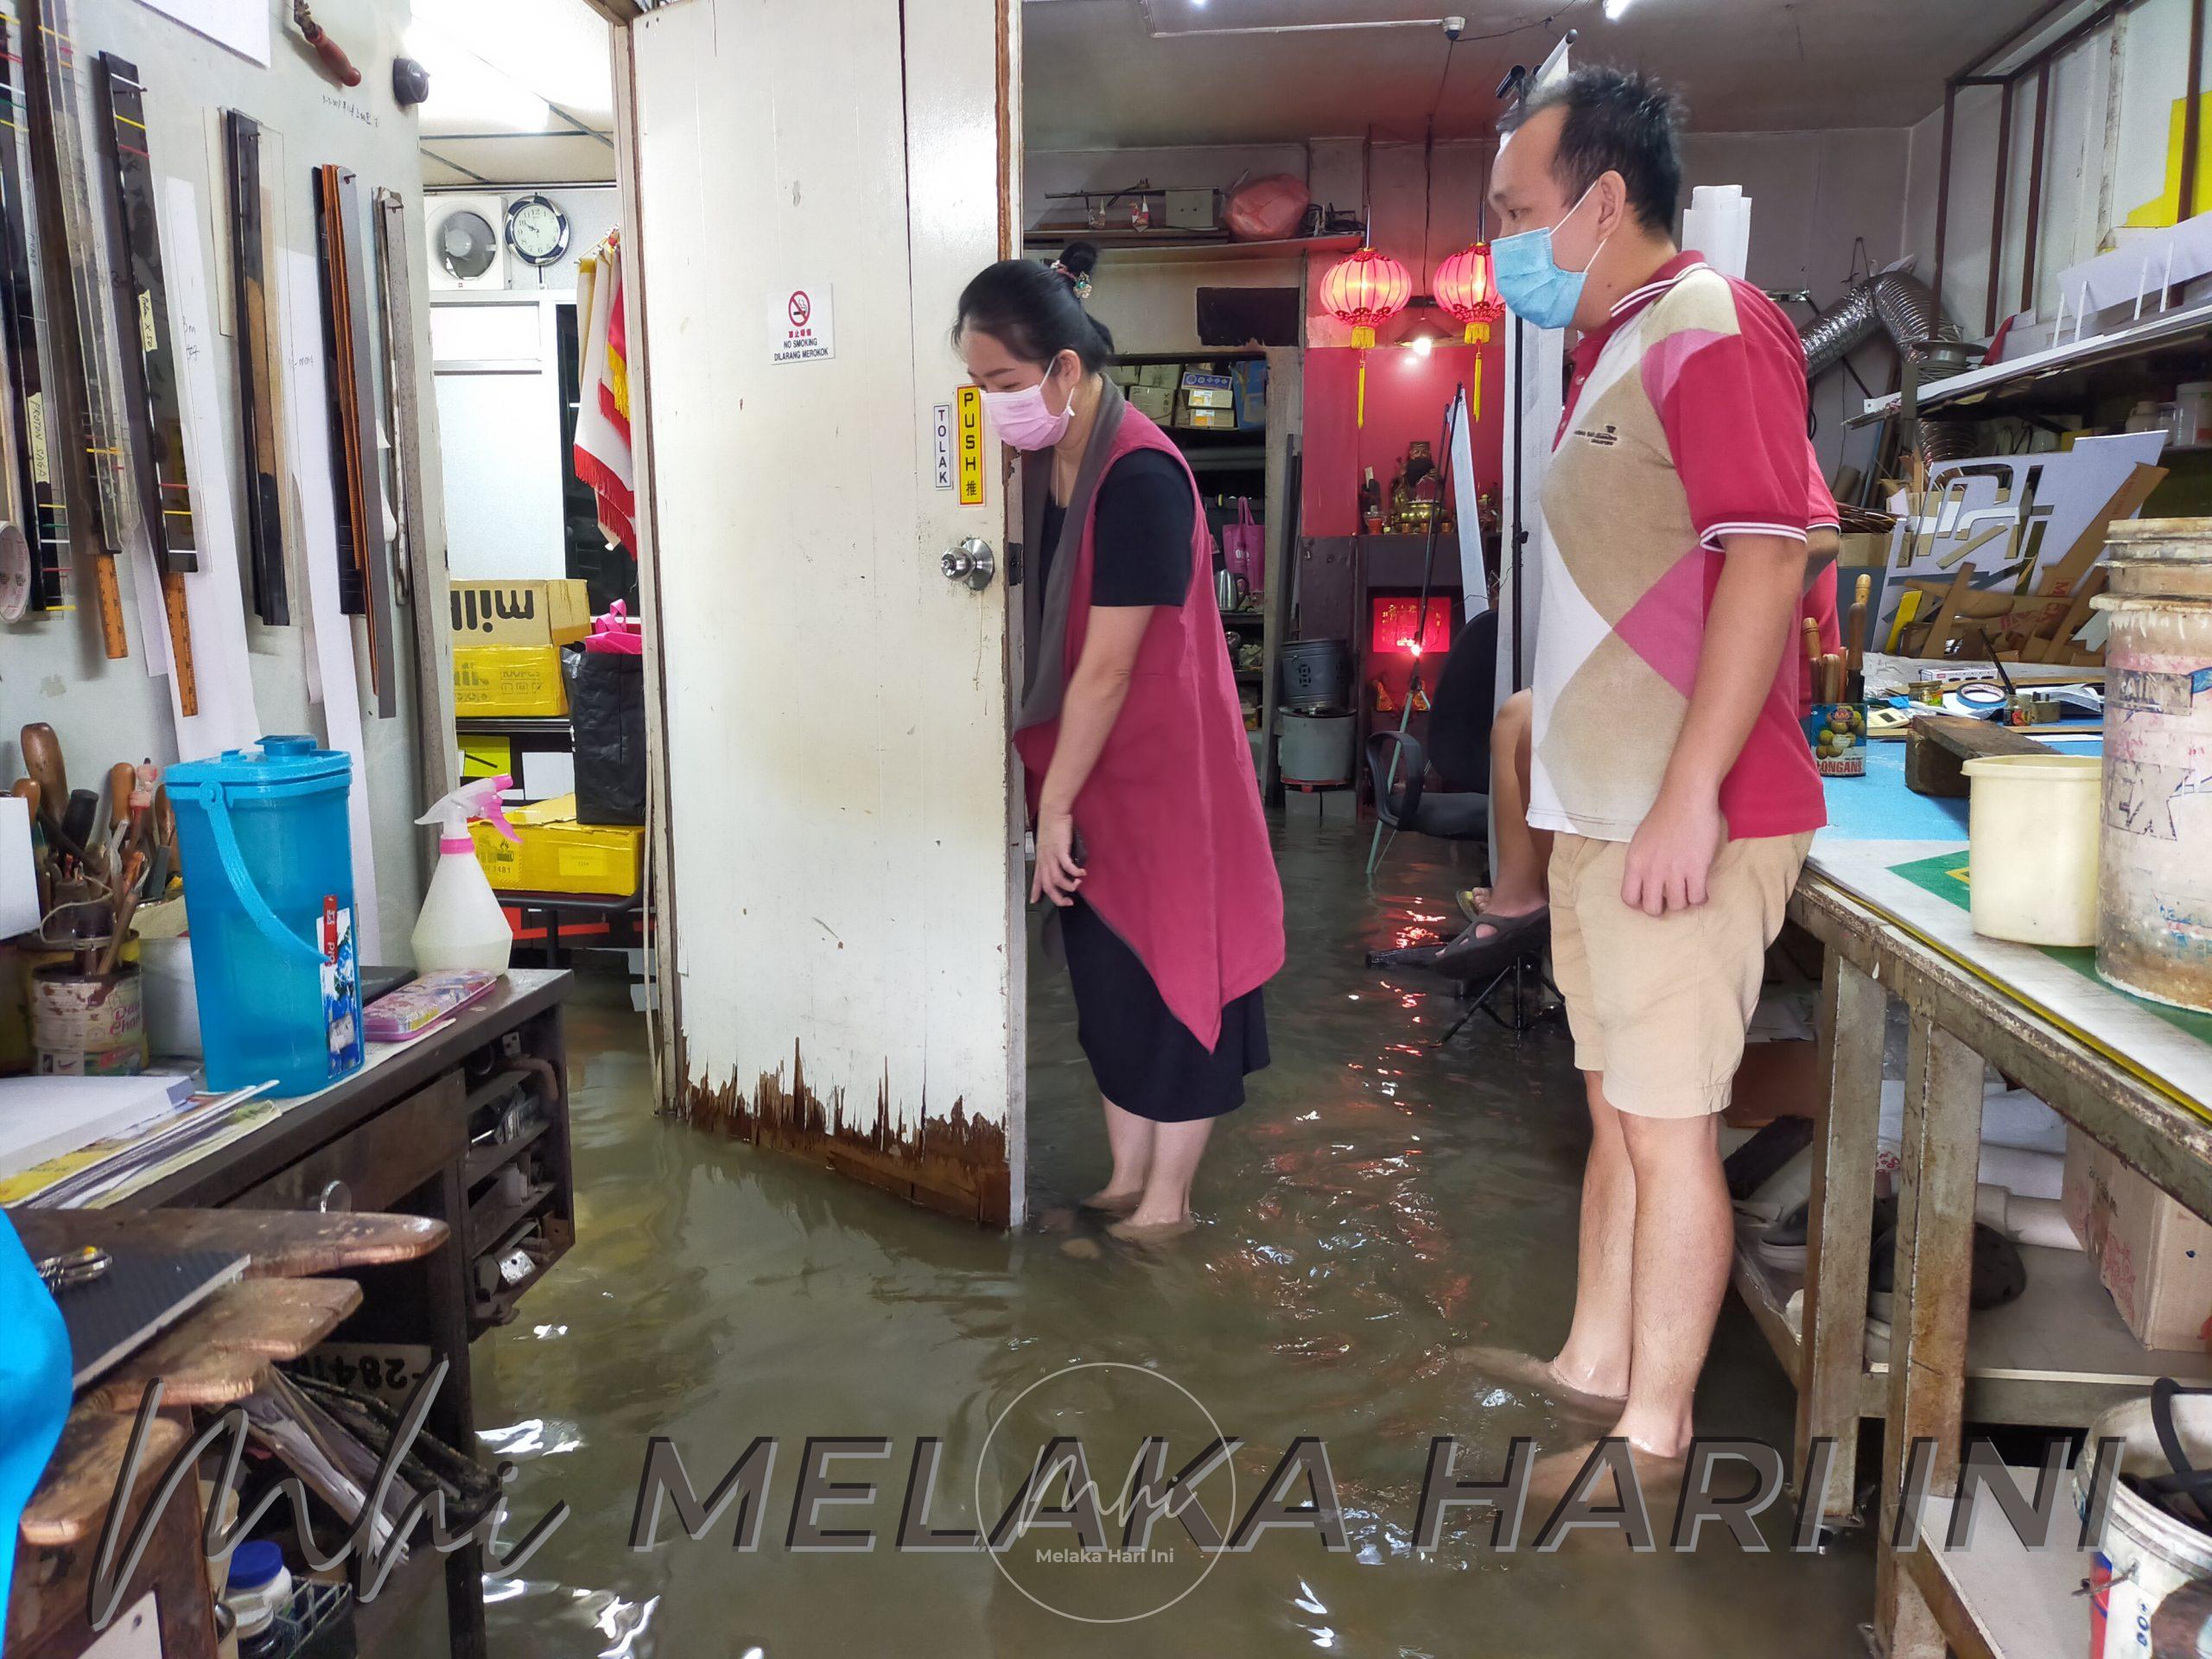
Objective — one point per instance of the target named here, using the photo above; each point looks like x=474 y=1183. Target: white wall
x=1816 y=197
x=54 y=670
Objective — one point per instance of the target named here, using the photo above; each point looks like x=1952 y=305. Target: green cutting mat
x=1945 y=875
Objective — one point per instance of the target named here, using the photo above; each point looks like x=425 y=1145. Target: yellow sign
x=971 y=447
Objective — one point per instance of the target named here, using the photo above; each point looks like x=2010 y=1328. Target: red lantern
x=1366 y=290
x=1466 y=286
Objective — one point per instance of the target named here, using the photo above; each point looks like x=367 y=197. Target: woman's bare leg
x=1523 y=854
x=1131 y=1138
x=1176 y=1149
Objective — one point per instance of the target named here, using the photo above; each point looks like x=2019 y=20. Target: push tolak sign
x=803 y=327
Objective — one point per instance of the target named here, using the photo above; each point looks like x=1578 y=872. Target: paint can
x=1316 y=674
x=1317 y=748
x=2143 y=1556
x=90 y=1027
x=2154 y=900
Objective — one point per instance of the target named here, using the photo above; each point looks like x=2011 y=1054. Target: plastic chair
x=1457 y=747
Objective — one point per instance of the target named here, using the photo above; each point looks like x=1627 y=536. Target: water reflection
x=1377 y=1207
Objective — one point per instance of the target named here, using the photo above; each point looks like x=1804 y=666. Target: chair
x=1458 y=748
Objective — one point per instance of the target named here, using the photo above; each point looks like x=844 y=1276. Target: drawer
x=377 y=1162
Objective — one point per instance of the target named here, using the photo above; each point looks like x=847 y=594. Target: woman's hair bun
x=1078 y=258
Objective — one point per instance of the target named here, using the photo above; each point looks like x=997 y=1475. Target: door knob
x=971 y=562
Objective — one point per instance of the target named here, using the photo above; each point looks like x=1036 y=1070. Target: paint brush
x=1855 y=636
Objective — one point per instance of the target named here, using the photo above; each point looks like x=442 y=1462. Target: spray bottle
x=461 y=925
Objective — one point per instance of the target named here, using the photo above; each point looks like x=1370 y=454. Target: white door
x=815 y=184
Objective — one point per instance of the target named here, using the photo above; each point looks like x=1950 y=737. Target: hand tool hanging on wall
x=258 y=403
x=149 y=362
x=340 y=67
x=364 y=578
x=416 y=572
x=57 y=153
x=38 y=491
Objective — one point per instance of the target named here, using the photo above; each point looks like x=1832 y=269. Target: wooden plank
x=219 y=1353
x=40 y=497
x=1853 y=1019
x=1937 y=748
x=73 y=1498
x=1941 y=1151
x=256 y=373
x=277 y=1244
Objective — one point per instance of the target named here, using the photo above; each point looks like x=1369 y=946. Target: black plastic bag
x=607 y=707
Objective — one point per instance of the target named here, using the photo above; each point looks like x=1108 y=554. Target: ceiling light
x=1615 y=8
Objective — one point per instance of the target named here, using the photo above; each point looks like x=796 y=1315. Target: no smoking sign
x=802 y=330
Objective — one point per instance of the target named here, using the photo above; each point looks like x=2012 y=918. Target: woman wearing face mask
x=1149 y=836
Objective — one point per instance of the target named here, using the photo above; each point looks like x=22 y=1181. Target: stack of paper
x=44 y=1117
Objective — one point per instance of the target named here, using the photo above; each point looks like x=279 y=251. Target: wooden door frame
x=670 y=1073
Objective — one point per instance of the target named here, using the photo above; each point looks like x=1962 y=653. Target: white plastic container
x=2144 y=1555
x=2033 y=827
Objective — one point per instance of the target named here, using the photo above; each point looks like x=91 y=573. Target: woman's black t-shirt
x=1146 y=516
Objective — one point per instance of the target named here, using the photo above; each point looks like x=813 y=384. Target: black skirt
x=1146 y=1059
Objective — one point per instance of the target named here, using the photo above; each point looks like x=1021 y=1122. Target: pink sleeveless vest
x=1176 y=855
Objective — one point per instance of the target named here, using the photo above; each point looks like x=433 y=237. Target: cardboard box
x=509 y=680
x=1209 y=420
x=1157 y=402
x=1210 y=397
x=558 y=854
x=519 y=612
x=1251 y=394
x=1158 y=374
x=2153 y=1256
x=502 y=860
x=1202 y=380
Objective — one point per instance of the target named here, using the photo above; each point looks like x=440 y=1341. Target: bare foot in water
x=1137 y=1230
x=1111 y=1202
x=1517 y=1369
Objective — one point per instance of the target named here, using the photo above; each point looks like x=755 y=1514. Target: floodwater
x=1378 y=1204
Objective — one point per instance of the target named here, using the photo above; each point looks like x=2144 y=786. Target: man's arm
x=1754 y=607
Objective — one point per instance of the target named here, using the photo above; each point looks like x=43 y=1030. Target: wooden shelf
x=490 y=1218
x=2054 y=1358
x=2157 y=353
x=1242 y=619
x=1184 y=245
x=491 y=1158
x=1992 y=1598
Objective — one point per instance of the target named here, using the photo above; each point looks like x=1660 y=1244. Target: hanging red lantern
x=1366 y=290
x=1466 y=286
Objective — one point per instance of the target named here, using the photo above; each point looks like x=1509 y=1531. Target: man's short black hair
x=1617 y=121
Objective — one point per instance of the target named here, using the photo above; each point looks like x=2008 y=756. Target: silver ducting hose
x=1906 y=309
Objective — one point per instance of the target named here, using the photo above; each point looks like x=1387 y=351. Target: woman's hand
x=1057 y=875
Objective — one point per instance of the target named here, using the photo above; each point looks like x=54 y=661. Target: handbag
x=1243 y=545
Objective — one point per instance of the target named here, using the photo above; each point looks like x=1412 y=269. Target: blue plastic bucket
x=268 y=893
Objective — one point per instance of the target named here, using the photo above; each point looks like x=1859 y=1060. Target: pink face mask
x=1024 y=420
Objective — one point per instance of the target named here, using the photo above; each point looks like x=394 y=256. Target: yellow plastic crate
x=509 y=680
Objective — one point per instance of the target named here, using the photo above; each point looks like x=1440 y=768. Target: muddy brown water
x=1378 y=1204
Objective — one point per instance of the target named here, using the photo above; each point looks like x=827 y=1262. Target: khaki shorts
x=1659 y=1004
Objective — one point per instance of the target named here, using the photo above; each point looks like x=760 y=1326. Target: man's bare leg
x=1684 y=1239
x=1596 y=1359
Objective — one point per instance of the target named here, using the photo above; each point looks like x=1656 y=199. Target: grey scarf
x=1045 y=605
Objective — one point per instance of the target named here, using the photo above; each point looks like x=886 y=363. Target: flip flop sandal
x=1474 y=955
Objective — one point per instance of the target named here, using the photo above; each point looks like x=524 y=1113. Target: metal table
x=2053 y=1372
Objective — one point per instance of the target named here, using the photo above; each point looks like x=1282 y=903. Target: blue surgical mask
x=1529 y=279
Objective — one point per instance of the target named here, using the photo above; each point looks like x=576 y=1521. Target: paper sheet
x=300 y=288
x=214 y=600
x=18 y=875
x=1474 y=577
x=242 y=25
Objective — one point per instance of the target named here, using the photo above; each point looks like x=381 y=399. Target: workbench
x=396 y=1137
x=2138 y=1084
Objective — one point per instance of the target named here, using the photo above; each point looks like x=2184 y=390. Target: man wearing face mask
x=1666 y=757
